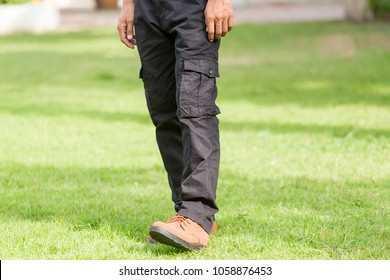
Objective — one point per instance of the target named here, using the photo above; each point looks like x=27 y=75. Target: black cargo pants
x=179 y=67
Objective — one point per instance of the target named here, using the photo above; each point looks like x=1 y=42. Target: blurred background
x=51 y=15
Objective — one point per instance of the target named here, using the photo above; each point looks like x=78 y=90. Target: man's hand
x=219 y=18
x=126 y=24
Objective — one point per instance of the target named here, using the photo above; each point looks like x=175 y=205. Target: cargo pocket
x=198 y=89
x=147 y=91
x=141 y=73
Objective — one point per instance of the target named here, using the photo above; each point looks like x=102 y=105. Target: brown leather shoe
x=180 y=232
x=213 y=230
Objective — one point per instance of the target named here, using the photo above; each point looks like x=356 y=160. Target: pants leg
x=189 y=78
x=157 y=53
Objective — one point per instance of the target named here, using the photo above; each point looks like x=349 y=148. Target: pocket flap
x=208 y=67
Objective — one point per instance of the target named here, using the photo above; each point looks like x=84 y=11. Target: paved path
x=289 y=13
x=87 y=18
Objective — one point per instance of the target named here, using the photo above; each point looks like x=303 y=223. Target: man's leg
x=156 y=49
x=196 y=69
x=196 y=72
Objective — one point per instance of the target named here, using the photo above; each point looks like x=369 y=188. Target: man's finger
x=230 y=23
x=210 y=30
x=120 y=30
x=218 y=30
x=225 y=28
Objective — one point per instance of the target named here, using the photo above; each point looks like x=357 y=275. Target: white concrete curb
x=29 y=18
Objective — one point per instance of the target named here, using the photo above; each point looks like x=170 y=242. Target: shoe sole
x=150 y=240
x=165 y=237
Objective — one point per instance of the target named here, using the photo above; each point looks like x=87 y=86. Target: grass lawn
x=305 y=135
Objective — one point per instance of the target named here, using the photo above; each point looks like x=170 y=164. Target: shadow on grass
x=128 y=200
x=144 y=119
x=63 y=111
x=333 y=85
x=125 y=201
x=280 y=128
x=276 y=91
x=40 y=186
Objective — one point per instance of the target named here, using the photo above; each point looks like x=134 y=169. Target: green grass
x=305 y=128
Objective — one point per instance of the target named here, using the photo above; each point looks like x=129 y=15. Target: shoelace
x=180 y=219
